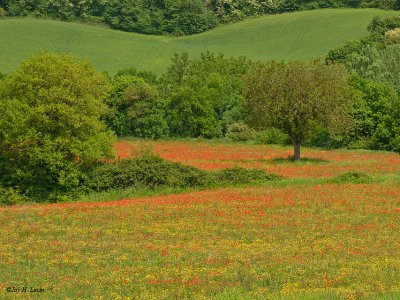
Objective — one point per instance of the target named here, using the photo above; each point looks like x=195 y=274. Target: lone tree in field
x=50 y=128
x=290 y=96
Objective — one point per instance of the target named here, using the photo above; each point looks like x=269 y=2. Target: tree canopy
x=290 y=96
x=50 y=128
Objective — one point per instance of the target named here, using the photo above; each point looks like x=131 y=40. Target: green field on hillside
x=295 y=36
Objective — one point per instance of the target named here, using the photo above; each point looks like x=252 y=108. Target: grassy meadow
x=304 y=237
x=295 y=36
x=326 y=227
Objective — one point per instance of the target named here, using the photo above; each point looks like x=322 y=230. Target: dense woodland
x=182 y=17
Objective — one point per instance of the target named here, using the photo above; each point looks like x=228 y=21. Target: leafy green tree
x=147 y=76
x=158 y=17
x=374 y=113
x=342 y=53
x=368 y=63
x=392 y=36
x=50 y=128
x=379 y=26
x=377 y=65
x=184 y=17
x=215 y=79
x=179 y=70
x=290 y=96
x=191 y=114
x=391 y=59
x=135 y=107
x=116 y=117
x=145 y=111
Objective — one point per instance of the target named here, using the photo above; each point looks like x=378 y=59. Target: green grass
x=295 y=36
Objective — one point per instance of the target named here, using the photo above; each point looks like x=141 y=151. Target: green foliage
x=351 y=177
x=240 y=132
x=50 y=129
x=272 y=136
x=116 y=117
x=145 y=111
x=377 y=64
x=392 y=36
x=60 y=9
x=151 y=171
x=148 y=170
x=395 y=142
x=147 y=76
x=374 y=110
x=238 y=175
x=321 y=137
x=204 y=95
x=158 y=17
x=289 y=96
x=10 y=196
x=391 y=59
x=191 y=114
x=342 y=53
x=135 y=107
x=368 y=63
x=379 y=26
x=383 y=32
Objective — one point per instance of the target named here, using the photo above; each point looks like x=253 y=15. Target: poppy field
x=271 y=158
x=306 y=239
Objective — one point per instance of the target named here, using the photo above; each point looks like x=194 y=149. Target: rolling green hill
x=295 y=36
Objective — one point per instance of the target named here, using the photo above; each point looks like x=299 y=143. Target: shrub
x=94 y=20
x=2 y=12
x=11 y=196
x=240 y=132
x=239 y=175
x=150 y=171
x=395 y=144
x=320 y=137
x=393 y=36
x=272 y=136
x=351 y=177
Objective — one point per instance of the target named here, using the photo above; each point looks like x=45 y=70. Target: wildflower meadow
x=304 y=237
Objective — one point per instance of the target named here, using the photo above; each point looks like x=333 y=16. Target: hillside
x=295 y=36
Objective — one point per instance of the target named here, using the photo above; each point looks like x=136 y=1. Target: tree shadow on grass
x=302 y=161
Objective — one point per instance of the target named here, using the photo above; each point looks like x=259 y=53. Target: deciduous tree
x=289 y=96
x=50 y=128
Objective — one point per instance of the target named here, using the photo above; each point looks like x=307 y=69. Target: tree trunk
x=296 y=151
